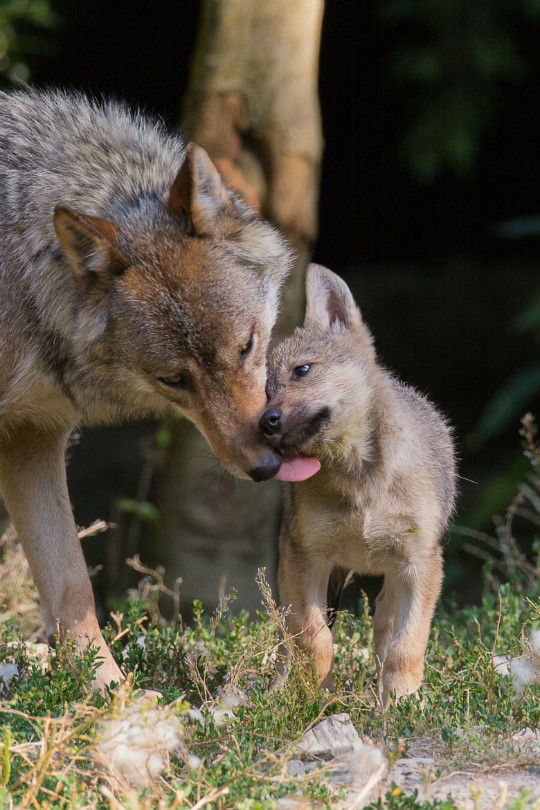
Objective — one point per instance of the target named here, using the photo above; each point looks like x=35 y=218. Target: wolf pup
x=132 y=282
x=383 y=495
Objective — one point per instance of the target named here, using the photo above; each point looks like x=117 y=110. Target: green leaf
x=529 y=319
x=508 y=404
x=141 y=509
x=5 y=762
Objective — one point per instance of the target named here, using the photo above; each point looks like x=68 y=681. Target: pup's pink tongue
x=298 y=469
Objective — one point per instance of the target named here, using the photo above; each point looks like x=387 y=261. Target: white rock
x=409 y=769
x=219 y=716
x=332 y=736
x=527 y=734
x=230 y=697
x=335 y=744
x=8 y=672
x=36 y=651
x=140 y=642
x=194 y=762
x=525 y=669
x=222 y=708
x=363 y=652
x=290 y=803
x=502 y=664
x=134 y=741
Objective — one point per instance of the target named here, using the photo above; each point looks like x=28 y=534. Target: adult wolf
x=384 y=493
x=132 y=282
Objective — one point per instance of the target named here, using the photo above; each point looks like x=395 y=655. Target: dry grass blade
x=278 y=617
x=18 y=594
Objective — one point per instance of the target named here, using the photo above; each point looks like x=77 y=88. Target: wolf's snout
x=271 y=422
x=268 y=468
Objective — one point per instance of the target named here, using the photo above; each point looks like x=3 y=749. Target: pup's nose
x=270 y=421
x=269 y=467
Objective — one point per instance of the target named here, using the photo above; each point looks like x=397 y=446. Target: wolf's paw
x=148 y=695
x=107 y=673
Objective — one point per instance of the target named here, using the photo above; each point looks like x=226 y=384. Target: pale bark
x=252 y=102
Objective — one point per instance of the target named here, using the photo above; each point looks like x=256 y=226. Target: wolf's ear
x=198 y=192
x=329 y=302
x=90 y=245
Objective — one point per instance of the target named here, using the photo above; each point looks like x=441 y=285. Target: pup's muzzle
x=271 y=422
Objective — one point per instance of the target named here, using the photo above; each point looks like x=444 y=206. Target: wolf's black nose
x=270 y=422
x=269 y=467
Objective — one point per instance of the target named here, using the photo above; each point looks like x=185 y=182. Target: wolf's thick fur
x=132 y=282
x=383 y=496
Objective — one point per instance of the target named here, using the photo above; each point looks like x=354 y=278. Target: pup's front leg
x=403 y=615
x=33 y=484
x=303 y=584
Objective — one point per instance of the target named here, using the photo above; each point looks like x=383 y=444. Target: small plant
x=504 y=559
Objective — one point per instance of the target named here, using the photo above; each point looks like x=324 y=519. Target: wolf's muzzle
x=269 y=467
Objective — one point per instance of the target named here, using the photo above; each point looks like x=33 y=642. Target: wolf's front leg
x=33 y=484
x=403 y=615
x=303 y=584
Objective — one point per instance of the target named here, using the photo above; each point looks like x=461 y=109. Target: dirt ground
x=477 y=787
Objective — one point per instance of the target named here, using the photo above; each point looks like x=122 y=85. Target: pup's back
x=427 y=437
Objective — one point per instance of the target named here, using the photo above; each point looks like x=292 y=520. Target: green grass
x=465 y=711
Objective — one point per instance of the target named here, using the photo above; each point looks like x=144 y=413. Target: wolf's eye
x=301 y=371
x=246 y=348
x=180 y=380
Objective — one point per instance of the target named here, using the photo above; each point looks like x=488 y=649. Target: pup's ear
x=329 y=302
x=198 y=192
x=90 y=245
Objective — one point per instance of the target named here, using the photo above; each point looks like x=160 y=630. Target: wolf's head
x=176 y=301
x=319 y=379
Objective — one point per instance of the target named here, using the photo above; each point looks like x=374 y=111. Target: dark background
x=438 y=285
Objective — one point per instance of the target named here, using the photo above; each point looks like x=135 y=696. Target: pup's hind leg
x=303 y=584
x=33 y=484
x=403 y=615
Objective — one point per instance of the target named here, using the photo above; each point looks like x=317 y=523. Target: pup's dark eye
x=301 y=371
x=180 y=380
x=246 y=348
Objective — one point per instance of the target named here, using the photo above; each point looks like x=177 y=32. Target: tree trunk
x=252 y=102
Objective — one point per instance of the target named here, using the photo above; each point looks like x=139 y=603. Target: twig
x=157 y=574
x=95 y=528
x=107 y=792
x=210 y=797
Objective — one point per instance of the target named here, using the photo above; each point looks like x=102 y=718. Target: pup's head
x=318 y=379
x=178 y=298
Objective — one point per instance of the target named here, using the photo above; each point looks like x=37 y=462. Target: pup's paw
x=399 y=681
x=328 y=682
